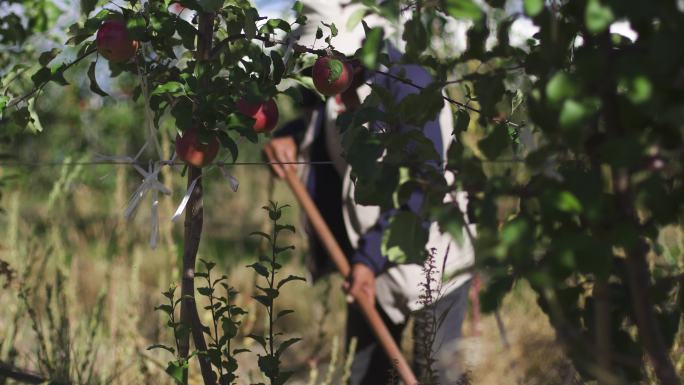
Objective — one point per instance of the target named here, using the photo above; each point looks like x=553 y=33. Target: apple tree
x=213 y=65
x=575 y=172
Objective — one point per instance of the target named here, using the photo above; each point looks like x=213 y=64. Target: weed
x=267 y=268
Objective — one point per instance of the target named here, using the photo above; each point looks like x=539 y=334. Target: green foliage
x=593 y=189
x=267 y=268
x=225 y=317
x=575 y=207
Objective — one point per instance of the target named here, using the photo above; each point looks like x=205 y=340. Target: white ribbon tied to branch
x=184 y=201
x=150 y=182
x=233 y=181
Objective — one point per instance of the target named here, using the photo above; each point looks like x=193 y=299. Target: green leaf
x=41 y=77
x=168 y=309
x=496 y=142
x=205 y=291
x=22 y=116
x=93 y=82
x=269 y=365
x=187 y=33
x=286 y=344
x=597 y=16
x=297 y=7
x=564 y=201
x=136 y=27
x=173 y=88
x=229 y=327
x=260 y=269
x=250 y=23
x=295 y=94
x=533 y=7
x=261 y=234
x=183 y=112
x=371 y=47
x=572 y=114
x=462 y=121
x=260 y=339
x=283 y=313
x=288 y=279
x=405 y=238
x=416 y=37
x=278 y=66
x=87 y=6
x=463 y=9
x=273 y=24
x=332 y=27
x=160 y=346
x=264 y=300
x=228 y=142
x=560 y=87
x=639 y=89
x=355 y=18
x=451 y=220
x=492 y=296
x=175 y=370
x=4 y=99
x=336 y=67
x=46 y=57
x=279 y=228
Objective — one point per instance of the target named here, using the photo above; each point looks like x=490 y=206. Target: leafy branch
x=267 y=268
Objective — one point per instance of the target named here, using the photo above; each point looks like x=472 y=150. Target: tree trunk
x=194 y=218
x=638 y=274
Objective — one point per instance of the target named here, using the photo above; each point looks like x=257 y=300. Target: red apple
x=113 y=42
x=265 y=114
x=193 y=152
x=332 y=76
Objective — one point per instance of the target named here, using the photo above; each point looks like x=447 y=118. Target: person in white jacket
x=395 y=288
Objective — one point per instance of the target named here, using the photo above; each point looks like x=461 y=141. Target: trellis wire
x=179 y=163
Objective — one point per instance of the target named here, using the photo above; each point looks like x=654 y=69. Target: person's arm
x=284 y=145
x=285 y=142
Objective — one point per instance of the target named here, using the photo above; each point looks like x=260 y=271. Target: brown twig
x=37 y=89
x=25 y=376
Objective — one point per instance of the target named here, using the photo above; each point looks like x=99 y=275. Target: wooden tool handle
x=369 y=311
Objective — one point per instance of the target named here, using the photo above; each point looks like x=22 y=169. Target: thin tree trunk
x=194 y=218
x=638 y=274
x=601 y=295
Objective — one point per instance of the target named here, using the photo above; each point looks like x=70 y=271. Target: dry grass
x=80 y=233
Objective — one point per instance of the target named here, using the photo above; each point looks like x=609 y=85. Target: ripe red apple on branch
x=332 y=76
x=193 y=151
x=113 y=42
x=265 y=114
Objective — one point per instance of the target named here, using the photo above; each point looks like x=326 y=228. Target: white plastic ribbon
x=184 y=201
x=287 y=54
x=150 y=182
x=154 y=219
x=234 y=183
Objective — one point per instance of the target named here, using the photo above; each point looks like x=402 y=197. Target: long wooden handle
x=369 y=311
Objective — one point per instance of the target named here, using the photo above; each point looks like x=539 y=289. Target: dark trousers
x=371 y=365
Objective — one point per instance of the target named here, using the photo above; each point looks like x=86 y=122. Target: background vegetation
x=82 y=282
